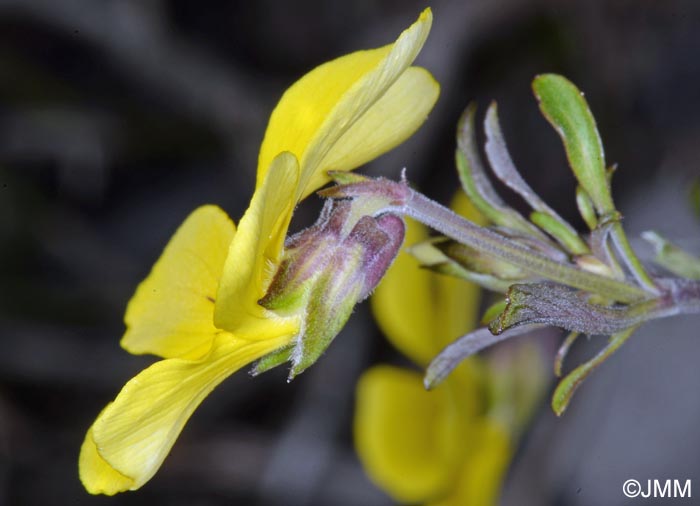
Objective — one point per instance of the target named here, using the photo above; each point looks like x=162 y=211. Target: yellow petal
x=255 y=254
x=172 y=312
x=408 y=439
x=98 y=476
x=388 y=123
x=134 y=434
x=315 y=112
x=485 y=467
x=419 y=311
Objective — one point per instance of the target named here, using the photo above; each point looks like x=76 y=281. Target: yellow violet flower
x=198 y=308
x=438 y=447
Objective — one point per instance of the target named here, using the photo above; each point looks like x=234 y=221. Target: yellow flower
x=438 y=447
x=198 y=309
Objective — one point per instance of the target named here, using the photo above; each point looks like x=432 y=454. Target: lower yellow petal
x=96 y=474
x=255 y=254
x=134 y=434
x=485 y=467
x=408 y=439
x=172 y=312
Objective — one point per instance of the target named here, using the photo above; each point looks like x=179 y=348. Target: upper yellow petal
x=254 y=255
x=409 y=440
x=134 y=434
x=316 y=111
x=172 y=312
x=420 y=311
x=388 y=123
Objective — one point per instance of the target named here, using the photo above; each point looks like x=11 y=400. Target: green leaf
x=563 y=234
x=585 y=208
x=431 y=257
x=568 y=386
x=673 y=258
x=564 y=106
x=563 y=351
x=504 y=168
x=476 y=184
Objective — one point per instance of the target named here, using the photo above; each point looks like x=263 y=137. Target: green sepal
x=564 y=106
x=564 y=236
x=272 y=360
x=335 y=296
x=346 y=177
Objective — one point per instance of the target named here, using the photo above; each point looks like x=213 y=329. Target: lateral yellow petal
x=408 y=439
x=317 y=110
x=389 y=122
x=419 y=311
x=98 y=476
x=255 y=254
x=172 y=312
x=135 y=433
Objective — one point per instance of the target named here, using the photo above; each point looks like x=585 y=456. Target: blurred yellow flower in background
x=198 y=308
x=452 y=445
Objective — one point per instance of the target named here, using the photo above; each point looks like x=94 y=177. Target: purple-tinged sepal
x=326 y=270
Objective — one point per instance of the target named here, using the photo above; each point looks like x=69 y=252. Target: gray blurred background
x=117 y=118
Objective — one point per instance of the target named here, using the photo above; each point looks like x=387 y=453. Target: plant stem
x=443 y=220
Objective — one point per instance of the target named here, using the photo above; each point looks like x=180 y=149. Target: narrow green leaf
x=673 y=258
x=564 y=106
x=430 y=257
x=585 y=208
x=568 y=386
x=563 y=351
x=464 y=347
x=563 y=234
x=478 y=261
x=476 y=184
x=504 y=168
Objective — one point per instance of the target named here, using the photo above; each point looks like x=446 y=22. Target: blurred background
x=119 y=117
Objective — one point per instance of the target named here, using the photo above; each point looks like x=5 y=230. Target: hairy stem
x=443 y=220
